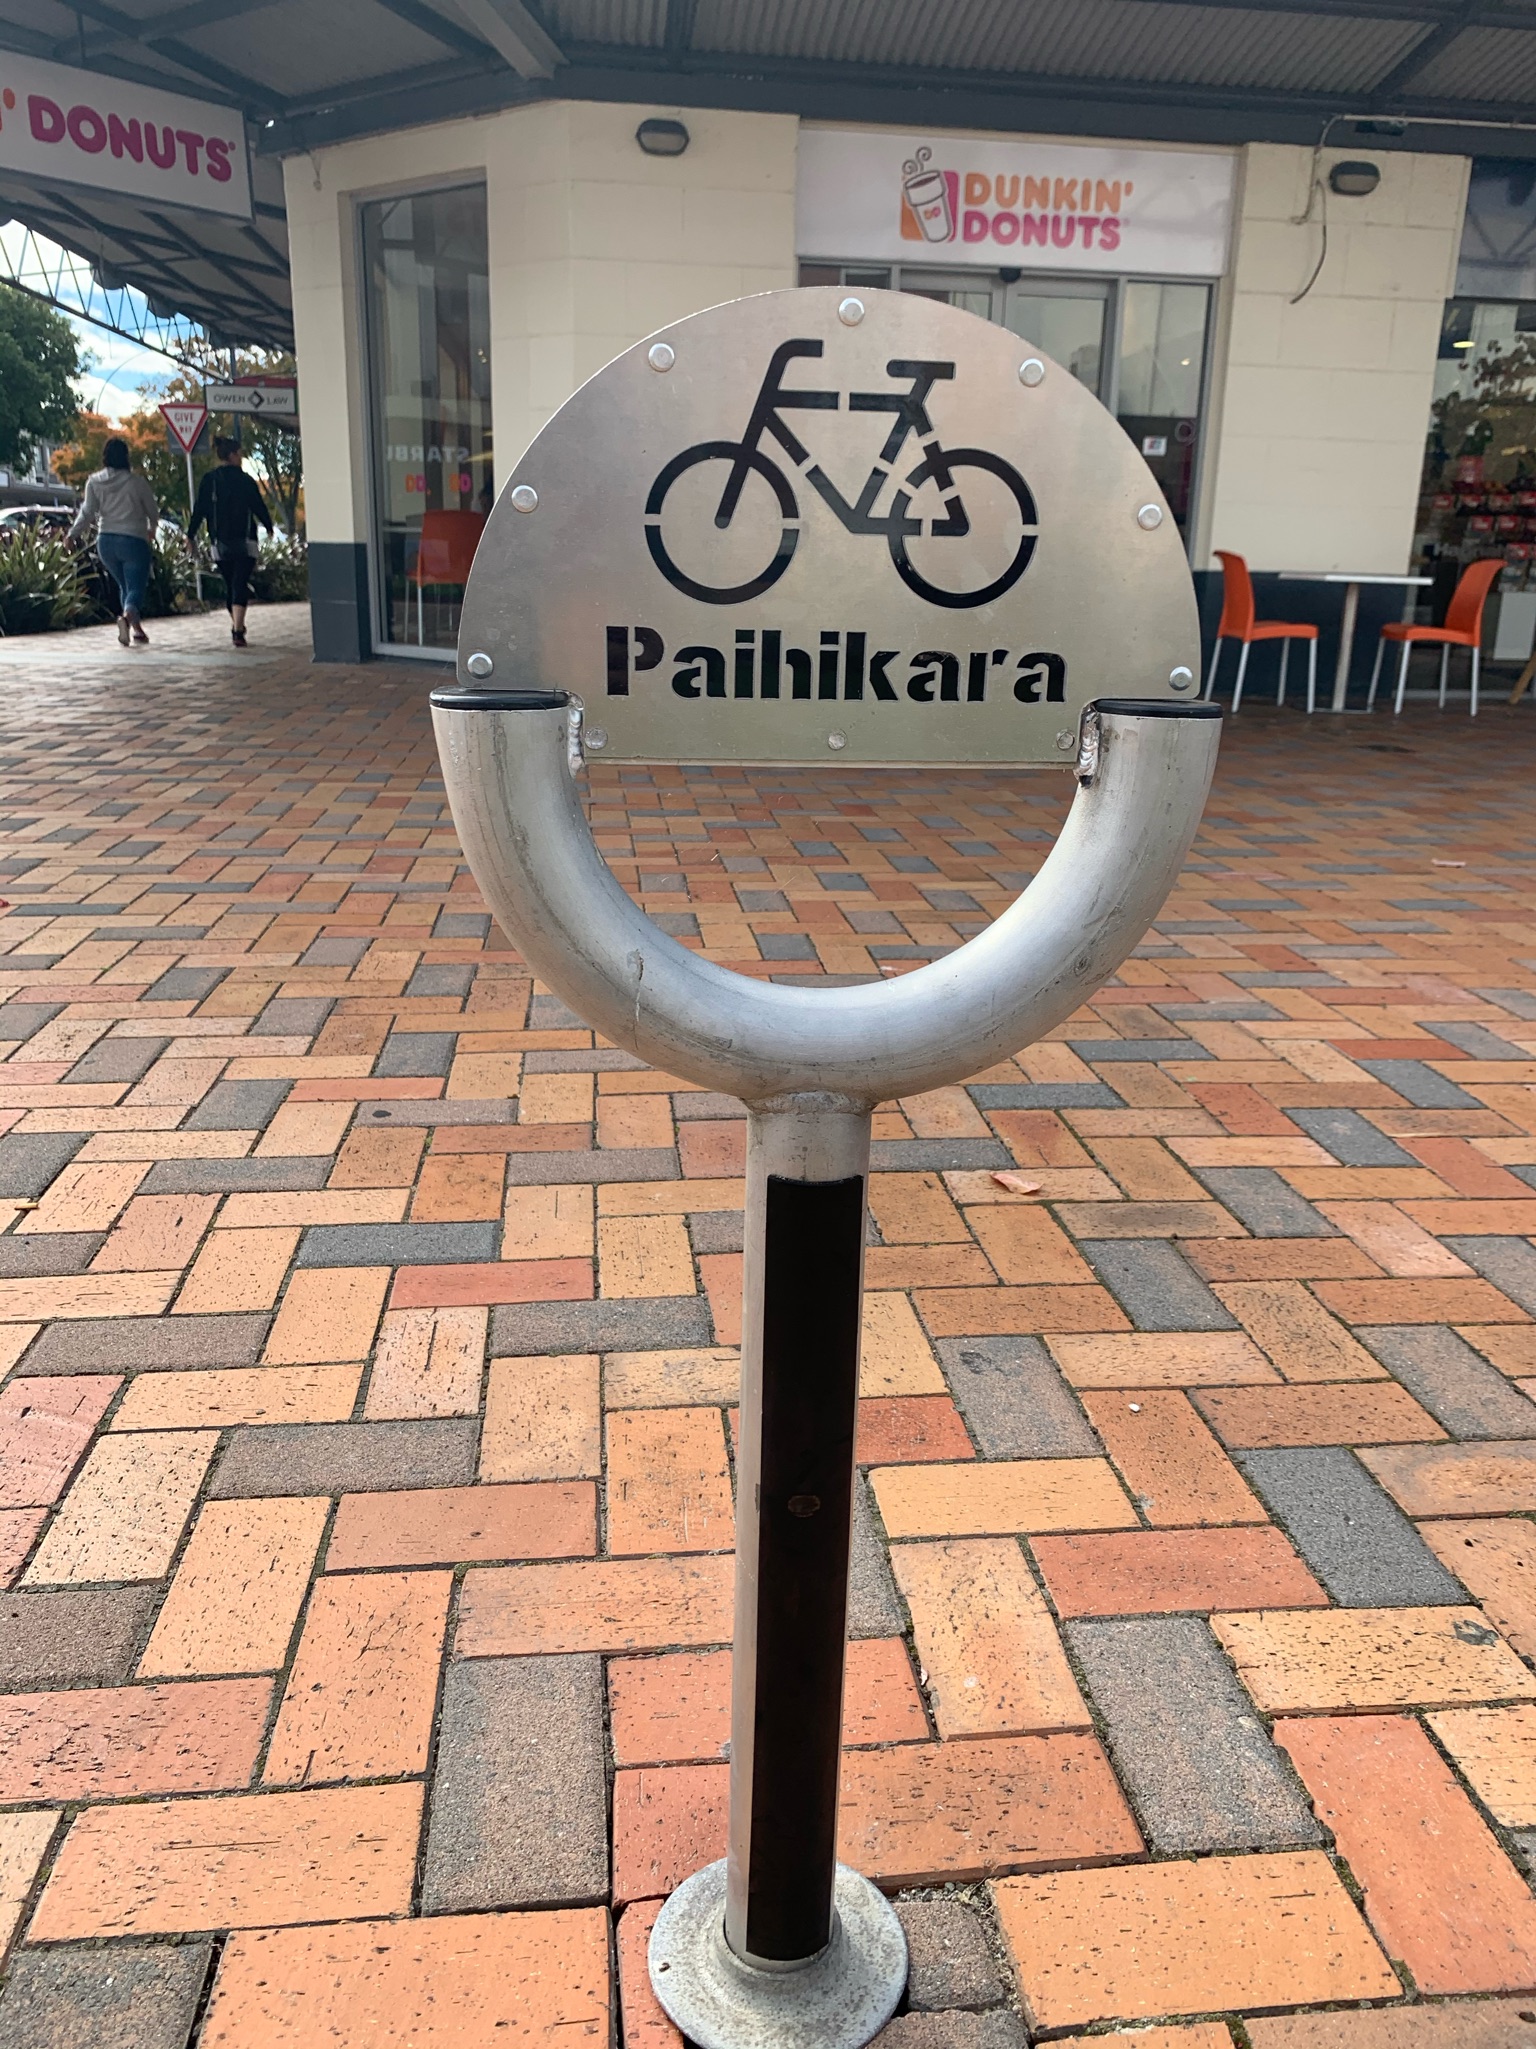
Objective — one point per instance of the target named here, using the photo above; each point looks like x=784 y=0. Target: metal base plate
x=840 y=2000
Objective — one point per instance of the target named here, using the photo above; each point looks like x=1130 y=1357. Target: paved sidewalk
x=368 y=1340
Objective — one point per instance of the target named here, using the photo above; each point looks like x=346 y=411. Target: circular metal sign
x=815 y=527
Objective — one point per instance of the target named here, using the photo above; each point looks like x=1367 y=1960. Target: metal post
x=197 y=573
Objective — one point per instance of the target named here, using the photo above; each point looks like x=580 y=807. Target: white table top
x=1343 y=576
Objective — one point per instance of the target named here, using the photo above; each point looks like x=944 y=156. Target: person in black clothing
x=230 y=505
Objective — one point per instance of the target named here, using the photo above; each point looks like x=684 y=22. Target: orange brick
x=328 y=1313
x=721 y=1273
x=927 y=1266
x=915 y=1209
x=361 y=1693
x=1011 y=1312
x=548 y=1223
x=1418 y=1302
x=1192 y=2035
x=1510 y=1347
x=667 y=1823
x=1461 y=1166
x=472 y=1980
x=1027 y=1245
x=1173 y=1466
x=1038 y=1138
x=1463 y=1920
x=543 y=1419
x=478 y=1285
x=45 y=1424
x=1458 y=1479
x=450 y=1525
x=669 y=1488
x=24 y=1839
x=711 y=1147
x=1496 y=1561
x=214 y=1397
x=313 y=1131
x=1367 y=1658
x=373 y=1159
x=1279 y=1259
x=235 y=1860
x=545 y=1098
x=1301 y=1338
x=156 y=1232
x=235 y=1600
x=994 y=1663
x=1496 y=1219
x=1399 y=1245
x=900 y=1429
x=895 y=1357
x=123 y=1517
x=1184 y=1358
x=1373 y=1413
x=619 y=1604
x=428 y=1362
x=237 y=1270
x=458 y=1188
x=634 y=1121
x=1188 y=1937
x=709 y=1376
x=87 y=1295
x=18 y=1528
x=1147 y=1171
x=84 y=1197
x=677 y=1709
x=1001 y=1498
x=668 y=1198
x=944 y=1113
x=644 y=1256
x=643 y=2023
x=121 y=1742
x=1167 y=1572
x=1241 y=1109
x=1495 y=1748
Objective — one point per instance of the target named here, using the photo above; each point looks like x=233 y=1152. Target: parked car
x=51 y=518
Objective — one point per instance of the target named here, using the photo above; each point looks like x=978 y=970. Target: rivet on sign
x=524 y=498
x=1180 y=679
x=661 y=355
x=1066 y=742
x=851 y=312
x=595 y=737
x=1031 y=370
x=836 y=740
x=1150 y=516
x=480 y=665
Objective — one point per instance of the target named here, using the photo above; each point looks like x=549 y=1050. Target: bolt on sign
x=812 y=526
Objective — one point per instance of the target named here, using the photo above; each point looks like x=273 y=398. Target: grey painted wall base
x=340 y=610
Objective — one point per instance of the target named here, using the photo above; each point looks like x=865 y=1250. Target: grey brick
x=873 y=1609
x=641 y=1323
x=1095 y=1050
x=1194 y=1757
x=1355 y=1538
x=519 y=1812
x=1351 y=1138
x=1420 y=1085
x=346 y=1458
x=48 y=1252
x=550 y=1014
x=126 y=1995
x=334 y=953
x=463 y=1110
x=184 y=985
x=72 y=1636
x=21 y=1020
x=1045 y=1095
x=1525 y=1848
x=597 y=1060
x=621 y=1163
x=459 y=925
x=707 y=1103
x=1270 y=1207
x=233 y=1177
x=416 y=1053
x=999 y=2030
x=720 y=1230
x=398 y=1244
x=1477 y=1040
x=118 y=1060
x=1155 y=1285
x=1015 y=1402
x=949 y=1962
x=917 y=1155
x=238 y=1106
x=293 y=1017
x=147 y=1344
x=1457 y=1385
x=31 y=1160
x=784 y=946
x=440 y=981
x=1510 y=1263
x=1519 y=1002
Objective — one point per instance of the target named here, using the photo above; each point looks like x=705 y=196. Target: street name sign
x=279 y=401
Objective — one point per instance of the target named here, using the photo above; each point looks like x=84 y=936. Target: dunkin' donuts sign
x=72 y=127
x=1045 y=206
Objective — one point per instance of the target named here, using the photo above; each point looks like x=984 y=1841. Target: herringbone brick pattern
x=369 y=1330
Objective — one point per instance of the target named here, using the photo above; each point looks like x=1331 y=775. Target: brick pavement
x=367 y=1331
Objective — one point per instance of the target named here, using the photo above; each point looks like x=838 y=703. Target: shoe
x=122 y=632
x=140 y=637
x=237 y=635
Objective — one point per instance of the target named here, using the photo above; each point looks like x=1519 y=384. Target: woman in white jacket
x=122 y=507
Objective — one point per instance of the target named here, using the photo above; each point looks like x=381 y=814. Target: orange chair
x=445 y=548
x=1238 y=623
x=1463 y=628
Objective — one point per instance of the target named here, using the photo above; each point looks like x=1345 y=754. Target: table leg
x=1346 y=645
x=1524 y=683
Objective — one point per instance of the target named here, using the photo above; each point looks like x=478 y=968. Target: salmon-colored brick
x=235 y=1860
x=668 y=1821
x=123 y=1517
x=1363 y=1413
x=915 y=1209
x=24 y=1840
x=927 y=1266
x=315 y=1130
x=361 y=1693
x=1241 y=1109
x=1167 y=1572
x=1028 y=1247
x=712 y=1147
x=602 y=1604
x=121 y=1742
x=215 y=1397
x=1495 y=1749
x=945 y=1113
x=639 y=1121
x=721 y=1273
x=1173 y=1466
x=18 y=1528
x=76 y=1295
x=544 y=1099
x=543 y=1419
x=1010 y=1311
x=1143 y=1358
x=241 y=1582
x=1458 y=1479
x=373 y=1159
x=1147 y=1172
x=45 y=1424
x=1463 y=1919
x=1038 y=1138
x=1418 y=1302
x=1188 y=1937
x=644 y=1256
x=642 y=2024
x=237 y=1270
x=481 y=1283
x=1495 y=1559
x=1399 y=1245
x=1461 y=1166
x=895 y=1358
x=1367 y=1658
x=677 y=1709
x=156 y=1232
x=458 y=1188
x=1191 y=2035
x=85 y=1197
x=449 y=1525
x=903 y=1429
x=994 y=1663
x=1510 y=1347
x=428 y=1362
x=475 y=1981
x=1001 y=1498
x=669 y=1487
x=1279 y=1259
x=1289 y=1325
x=328 y=1312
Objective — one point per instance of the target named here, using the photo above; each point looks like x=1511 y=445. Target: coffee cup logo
x=929 y=197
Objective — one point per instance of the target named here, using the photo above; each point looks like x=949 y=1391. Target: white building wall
x=1320 y=408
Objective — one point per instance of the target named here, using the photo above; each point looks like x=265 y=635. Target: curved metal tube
x=525 y=834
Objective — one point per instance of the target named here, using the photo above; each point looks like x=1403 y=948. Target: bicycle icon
x=938 y=466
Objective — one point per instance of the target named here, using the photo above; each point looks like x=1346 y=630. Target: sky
x=118 y=368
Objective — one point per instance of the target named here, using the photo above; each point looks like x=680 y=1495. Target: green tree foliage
x=39 y=360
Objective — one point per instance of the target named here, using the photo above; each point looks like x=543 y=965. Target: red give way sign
x=186 y=422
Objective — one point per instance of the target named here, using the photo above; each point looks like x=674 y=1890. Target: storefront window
x=1478 y=492
x=429 y=361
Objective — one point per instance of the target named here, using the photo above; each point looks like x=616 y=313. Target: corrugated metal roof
x=633 y=24
x=1484 y=63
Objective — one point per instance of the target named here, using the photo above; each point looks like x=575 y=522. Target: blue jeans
x=125 y=557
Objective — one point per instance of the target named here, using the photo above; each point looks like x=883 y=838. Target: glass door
x=1070 y=318
x=1160 y=380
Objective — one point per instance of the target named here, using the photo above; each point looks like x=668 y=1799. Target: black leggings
x=236 y=572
